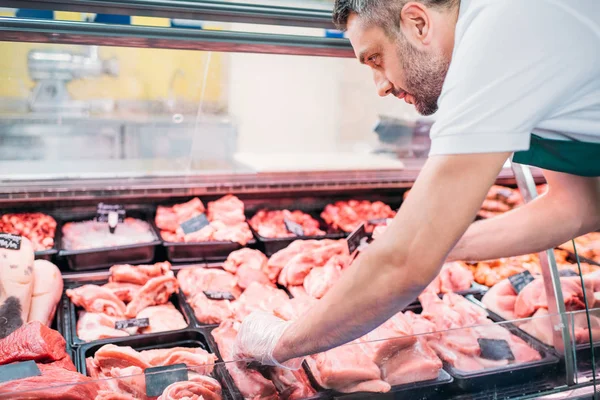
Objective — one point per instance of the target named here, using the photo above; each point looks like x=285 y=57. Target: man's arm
x=394 y=270
x=570 y=208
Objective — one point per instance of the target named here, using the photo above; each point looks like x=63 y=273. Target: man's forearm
x=563 y=213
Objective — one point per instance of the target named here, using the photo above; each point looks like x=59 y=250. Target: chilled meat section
x=216 y=260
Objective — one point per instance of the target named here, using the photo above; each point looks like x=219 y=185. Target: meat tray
x=509 y=375
x=70 y=314
x=97 y=258
x=49 y=254
x=270 y=246
x=414 y=390
x=583 y=349
x=201 y=251
x=162 y=340
x=476 y=290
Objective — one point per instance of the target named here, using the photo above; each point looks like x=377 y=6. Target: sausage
x=47 y=290
x=16 y=286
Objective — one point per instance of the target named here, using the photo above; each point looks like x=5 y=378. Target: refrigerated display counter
x=166 y=176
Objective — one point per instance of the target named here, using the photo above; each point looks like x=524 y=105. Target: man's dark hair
x=384 y=13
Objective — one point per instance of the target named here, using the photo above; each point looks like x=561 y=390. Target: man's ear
x=416 y=24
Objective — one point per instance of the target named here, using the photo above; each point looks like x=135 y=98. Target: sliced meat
x=96 y=326
x=454 y=277
x=111 y=356
x=16 y=286
x=124 y=291
x=271 y=224
x=196 y=280
x=291 y=385
x=249 y=266
x=47 y=290
x=259 y=297
x=162 y=318
x=501 y=300
x=319 y=280
x=383 y=342
x=196 y=388
x=155 y=292
x=138 y=274
x=196 y=357
x=55 y=383
x=414 y=363
x=33 y=341
x=97 y=299
x=228 y=209
x=209 y=311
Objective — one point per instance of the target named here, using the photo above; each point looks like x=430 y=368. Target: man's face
x=399 y=68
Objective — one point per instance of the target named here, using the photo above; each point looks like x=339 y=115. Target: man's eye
x=374 y=59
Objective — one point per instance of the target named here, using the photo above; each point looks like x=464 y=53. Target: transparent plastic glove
x=257 y=337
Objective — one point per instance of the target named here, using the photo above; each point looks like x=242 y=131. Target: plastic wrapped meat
x=271 y=224
x=93 y=235
x=39 y=228
x=348 y=215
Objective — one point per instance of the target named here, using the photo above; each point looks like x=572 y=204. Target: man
x=509 y=76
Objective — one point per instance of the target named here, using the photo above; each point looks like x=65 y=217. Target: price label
x=495 y=349
x=293 y=227
x=214 y=295
x=565 y=273
x=10 y=242
x=108 y=212
x=195 y=224
x=132 y=323
x=18 y=370
x=158 y=378
x=379 y=221
x=519 y=281
x=355 y=238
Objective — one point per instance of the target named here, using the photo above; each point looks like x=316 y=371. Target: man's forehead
x=363 y=38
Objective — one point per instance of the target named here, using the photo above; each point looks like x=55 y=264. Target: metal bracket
x=554 y=295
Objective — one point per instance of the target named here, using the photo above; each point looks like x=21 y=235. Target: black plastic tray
x=49 y=254
x=270 y=246
x=71 y=314
x=507 y=375
x=476 y=290
x=98 y=258
x=413 y=390
x=202 y=251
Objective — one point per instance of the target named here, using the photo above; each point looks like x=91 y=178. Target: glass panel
x=84 y=111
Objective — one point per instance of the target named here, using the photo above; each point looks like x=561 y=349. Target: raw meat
x=467 y=323
x=138 y=274
x=228 y=209
x=501 y=300
x=95 y=326
x=348 y=215
x=294 y=308
x=291 y=385
x=201 y=387
x=47 y=290
x=93 y=234
x=39 y=228
x=282 y=257
x=320 y=279
x=271 y=224
x=54 y=383
x=226 y=217
x=196 y=280
x=162 y=318
x=124 y=291
x=316 y=255
x=155 y=292
x=533 y=296
x=16 y=286
x=588 y=246
x=209 y=311
x=33 y=341
x=197 y=358
x=414 y=363
x=251 y=384
x=454 y=277
x=169 y=218
x=94 y=298
x=111 y=356
x=347 y=369
x=249 y=266
x=258 y=297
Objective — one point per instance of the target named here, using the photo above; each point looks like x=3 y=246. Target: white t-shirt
x=520 y=67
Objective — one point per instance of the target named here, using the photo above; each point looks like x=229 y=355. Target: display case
x=172 y=109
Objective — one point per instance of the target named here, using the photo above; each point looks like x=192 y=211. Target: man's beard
x=424 y=76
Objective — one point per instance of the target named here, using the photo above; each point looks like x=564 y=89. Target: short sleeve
x=515 y=63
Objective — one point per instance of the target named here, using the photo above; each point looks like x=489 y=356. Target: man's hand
x=394 y=270
x=570 y=208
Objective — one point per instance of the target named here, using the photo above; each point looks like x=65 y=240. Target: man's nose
x=383 y=85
